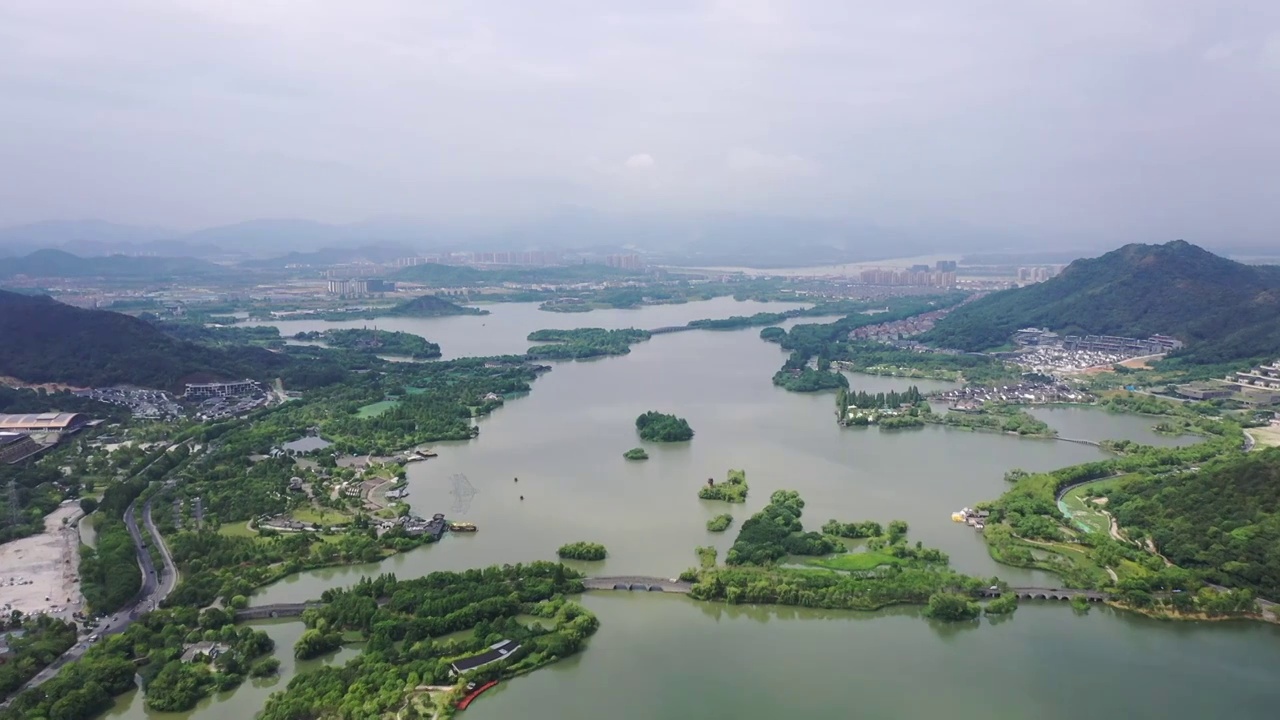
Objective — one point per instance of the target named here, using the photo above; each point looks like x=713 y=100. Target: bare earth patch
x=1268 y=436
x=41 y=573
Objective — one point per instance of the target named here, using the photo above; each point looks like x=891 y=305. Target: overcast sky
x=1115 y=119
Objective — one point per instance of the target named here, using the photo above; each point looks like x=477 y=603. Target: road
x=168 y=573
x=153 y=590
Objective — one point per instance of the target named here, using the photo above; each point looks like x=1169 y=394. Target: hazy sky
x=1143 y=119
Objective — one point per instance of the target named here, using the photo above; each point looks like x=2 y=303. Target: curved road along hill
x=155 y=588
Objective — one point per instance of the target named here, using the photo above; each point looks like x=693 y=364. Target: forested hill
x=57 y=263
x=1223 y=521
x=1223 y=310
x=47 y=341
x=432 y=306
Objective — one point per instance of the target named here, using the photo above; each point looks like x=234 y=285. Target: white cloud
x=640 y=161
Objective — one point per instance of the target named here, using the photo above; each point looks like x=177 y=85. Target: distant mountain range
x=1223 y=310
x=58 y=263
x=690 y=239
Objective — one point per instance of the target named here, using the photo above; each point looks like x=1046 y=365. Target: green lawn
x=237 y=529
x=857 y=561
x=1087 y=514
x=376 y=409
x=311 y=515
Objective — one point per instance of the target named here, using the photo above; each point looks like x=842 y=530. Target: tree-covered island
x=582 y=550
x=887 y=572
x=733 y=489
x=659 y=427
x=405 y=669
x=382 y=342
x=636 y=453
x=719 y=523
x=583 y=343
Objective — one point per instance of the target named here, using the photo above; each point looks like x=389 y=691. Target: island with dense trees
x=733 y=489
x=583 y=343
x=720 y=523
x=659 y=427
x=582 y=551
x=383 y=342
x=888 y=572
x=406 y=661
x=636 y=453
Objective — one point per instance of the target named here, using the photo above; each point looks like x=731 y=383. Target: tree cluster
x=582 y=551
x=720 y=523
x=583 y=343
x=402 y=623
x=384 y=342
x=776 y=531
x=659 y=427
x=732 y=490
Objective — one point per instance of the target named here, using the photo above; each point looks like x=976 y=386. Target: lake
x=671 y=657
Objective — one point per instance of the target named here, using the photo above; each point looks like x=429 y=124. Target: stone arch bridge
x=637 y=582
x=1037 y=593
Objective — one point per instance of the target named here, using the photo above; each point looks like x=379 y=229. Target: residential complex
x=913 y=277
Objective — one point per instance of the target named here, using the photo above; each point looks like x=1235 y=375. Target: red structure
x=464 y=702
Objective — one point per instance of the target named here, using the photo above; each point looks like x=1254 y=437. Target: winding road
x=155 y=588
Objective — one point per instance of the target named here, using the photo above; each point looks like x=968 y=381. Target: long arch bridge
x=638 y=582
x=1038 y=593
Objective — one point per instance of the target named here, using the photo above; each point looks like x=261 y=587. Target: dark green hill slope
x=47 y=341
x=57 y=263
x=1222 y=309
x=432 y=306
x=1223 y=520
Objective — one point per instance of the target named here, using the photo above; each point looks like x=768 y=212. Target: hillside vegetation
x=431 y=306
x=1222 y=309
x=1223 y=520
x=58 y=343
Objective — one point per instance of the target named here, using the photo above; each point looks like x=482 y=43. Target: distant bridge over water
x=638 y=582
x=277 y=610
x=1038 y=593
x=1079 y=441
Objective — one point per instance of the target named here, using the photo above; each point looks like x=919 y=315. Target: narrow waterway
x=671 y=657
x=1088 y=423
x=245 y=701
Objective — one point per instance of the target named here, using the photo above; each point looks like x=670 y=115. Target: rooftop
x=42 y=421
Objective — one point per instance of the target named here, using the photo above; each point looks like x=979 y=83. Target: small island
x=583 y=343
x=719 y=523
x=384 y=342
x=659 y=427
x=733 y=489
x=582 y=551
x=636 y=453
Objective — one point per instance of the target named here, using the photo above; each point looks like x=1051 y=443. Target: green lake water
x=670 y=657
